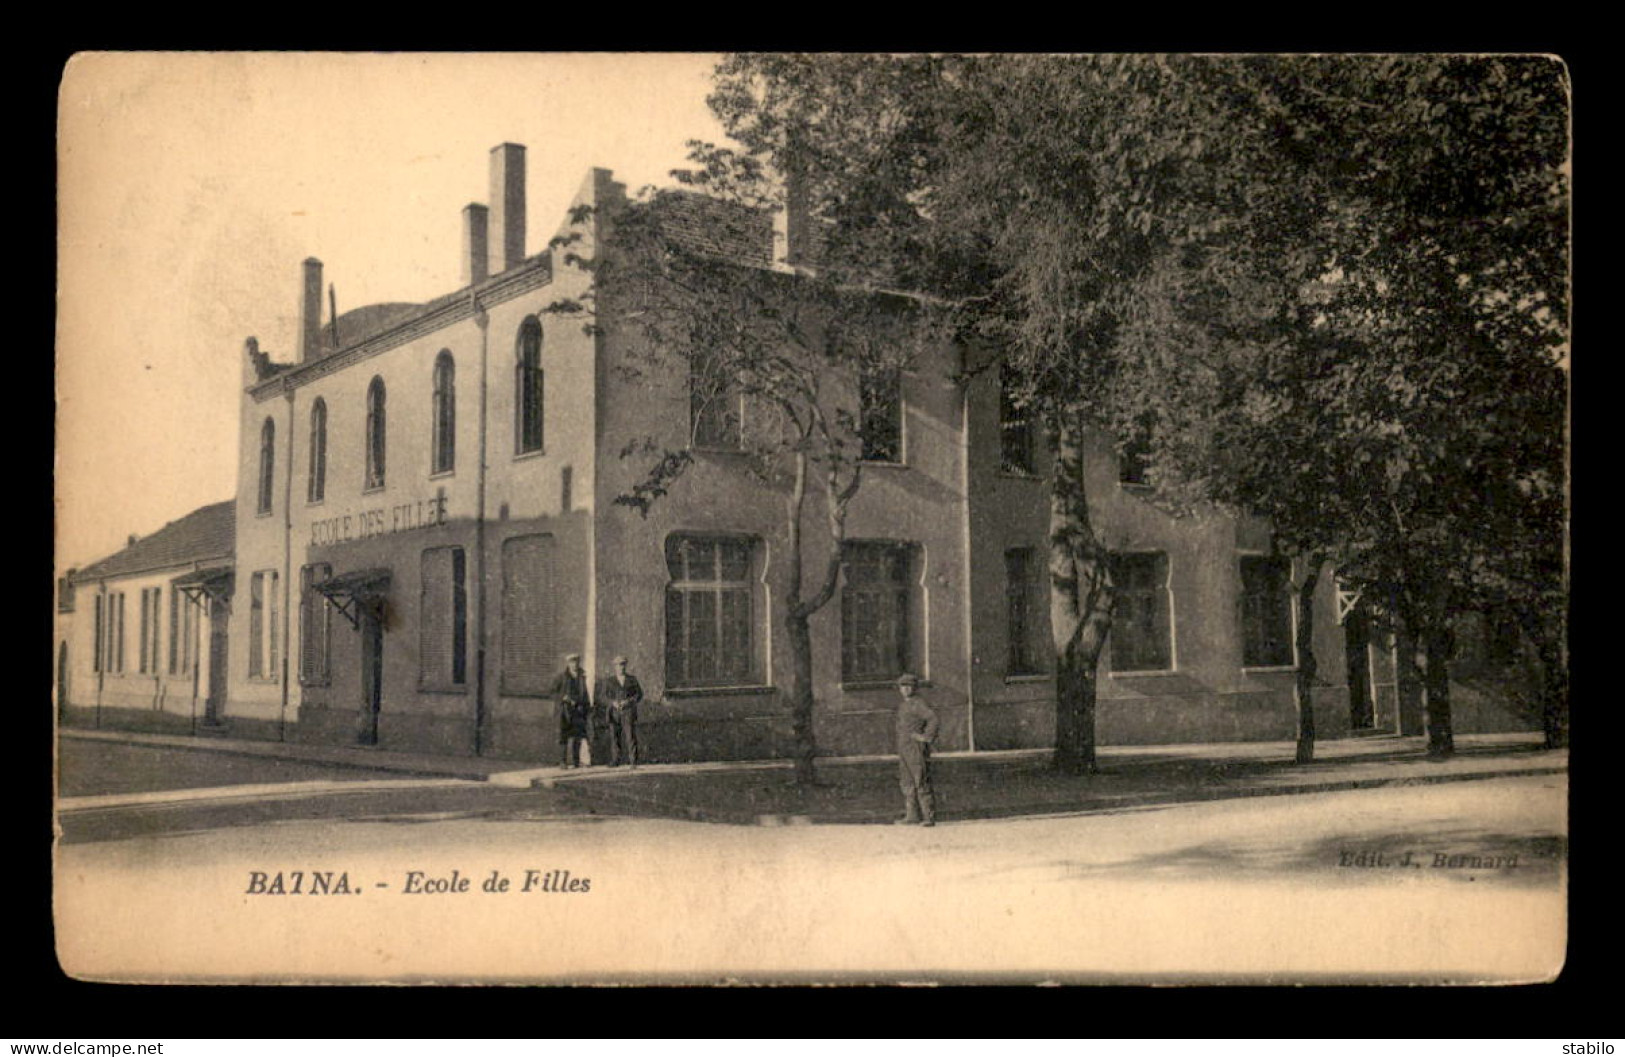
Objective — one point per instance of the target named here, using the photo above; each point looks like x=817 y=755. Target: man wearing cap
x=916 y=730
x=575 y=709
x=621 y=694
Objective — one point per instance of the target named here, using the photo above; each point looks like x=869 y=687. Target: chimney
x=310 y=311
x=507 y=223
x=790 y=225
x=476 y=228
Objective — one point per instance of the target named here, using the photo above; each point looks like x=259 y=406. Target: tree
x=1402 y=411
x=1314 y=282
x=1034 y=196
x=794 y=372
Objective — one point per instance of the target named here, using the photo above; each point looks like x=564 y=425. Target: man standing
x=916 y=730
x=575 y=709
x=622 y=694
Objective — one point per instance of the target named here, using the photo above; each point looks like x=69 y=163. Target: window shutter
x=274 y=652
x=256 y=622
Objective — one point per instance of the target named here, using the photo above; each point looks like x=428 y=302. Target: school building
x=425 y=523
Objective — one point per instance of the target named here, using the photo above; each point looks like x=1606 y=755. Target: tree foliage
x=774 y=359
x=1329 y=290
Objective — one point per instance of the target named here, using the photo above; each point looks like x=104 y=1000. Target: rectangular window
x=1016 y=433
x=146 y=614
x=710 y=612
x=116 y=661
x=1142 y=629
x=443 y=618
x=97 y=655
x=880 y=415
x=1023 y=604
x=175 y=605
x=315 y=626
x=876 y=611
x=530 y=646
x=157 y=626
x=256 y=626
x=1266 y=612
x=274 y=631
x=151 y=609
x=715 y=409
x=263 y=654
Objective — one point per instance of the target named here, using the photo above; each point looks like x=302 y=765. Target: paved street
x=1460 y=881
x=92 y=768
x=120 y=790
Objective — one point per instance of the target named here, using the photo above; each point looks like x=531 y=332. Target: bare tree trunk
x=1303 y=690
x=1080 y=602
x=1546 y=633
x=798 y=610
x=805 y=744
x=799 y=637
x=1436 y=645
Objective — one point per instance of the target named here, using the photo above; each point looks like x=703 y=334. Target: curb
x=649 y=807
x=277 y=750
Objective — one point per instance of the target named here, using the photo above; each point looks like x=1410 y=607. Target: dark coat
x=621 y=698
x=915 y=720
x=575 y=705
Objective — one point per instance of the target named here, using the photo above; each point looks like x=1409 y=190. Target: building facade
x=141 y=635
x=426 y=522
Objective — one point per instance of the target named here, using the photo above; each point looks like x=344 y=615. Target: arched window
x=317 y=486
x=375 y=434
x=528 y=388
x=267 y=464
x=445 y=413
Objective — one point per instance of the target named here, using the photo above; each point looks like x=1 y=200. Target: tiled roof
x=207 y=533
x=717 y=228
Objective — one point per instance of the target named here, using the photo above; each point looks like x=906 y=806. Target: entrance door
x=372 y=675
x=1357 y=650
x=218 y=622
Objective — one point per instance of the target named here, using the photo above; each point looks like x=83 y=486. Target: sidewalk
x=1007 y=784
x=416 y=765
x=1021 y=783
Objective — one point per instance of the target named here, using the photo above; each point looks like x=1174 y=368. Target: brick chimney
x=310 y=311
x=476 y=251
x=507 y=222
x=791 y=226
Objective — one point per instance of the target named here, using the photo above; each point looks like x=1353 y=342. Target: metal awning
x=214 y=584
x=349 y=592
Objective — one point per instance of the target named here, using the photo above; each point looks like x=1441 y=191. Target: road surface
x=1457 y=881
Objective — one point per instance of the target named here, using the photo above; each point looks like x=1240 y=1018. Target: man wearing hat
x=621 y=694
x=916 y=730
x=575 y=709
